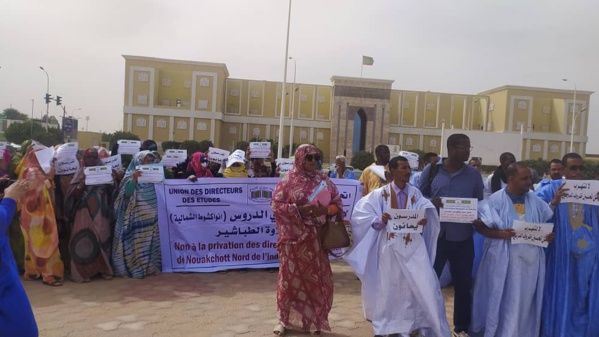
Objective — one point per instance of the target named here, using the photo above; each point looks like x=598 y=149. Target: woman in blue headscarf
x=136 y=246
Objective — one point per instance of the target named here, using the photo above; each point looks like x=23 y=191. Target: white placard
x=411 y=157
x=67 y=150
x=379 y=170
x=2 y=148
x=285 y=165
x=127 y=146
x=37 y=145
x=404 y=220
x=581 y=191
x=172 y=157
x=45 y=157
x=66 y=166
x=151 y=173
x=114 y=161
x=217 y=155
x=259 y=149
x=463 y=210
x=531 y=233
x=98 y=175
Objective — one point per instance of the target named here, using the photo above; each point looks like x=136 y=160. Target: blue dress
x=16 y=316
x=571 y=299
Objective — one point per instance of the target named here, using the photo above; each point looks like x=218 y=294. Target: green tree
x=169 y=144
x=10 y=113
x=191 y=146
x=362 y=160
x=242 y=145
x=121 y=135
x=19 y=132
x=205 y=145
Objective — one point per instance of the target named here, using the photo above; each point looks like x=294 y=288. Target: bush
x=205 y=145
x=362 y=159
x=191 y=146
x=19 y=132
x=242 y=145
x=169 y=144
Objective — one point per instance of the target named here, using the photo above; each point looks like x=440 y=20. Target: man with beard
x=370 y=180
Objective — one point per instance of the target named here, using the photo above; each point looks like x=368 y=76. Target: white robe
x=508 y=291
x=400 y=290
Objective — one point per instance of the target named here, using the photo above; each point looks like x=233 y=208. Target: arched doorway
x=359 y=138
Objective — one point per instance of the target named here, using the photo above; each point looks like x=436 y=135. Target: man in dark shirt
x=454 y=178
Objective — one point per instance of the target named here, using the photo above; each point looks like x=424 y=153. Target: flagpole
x=283 y=93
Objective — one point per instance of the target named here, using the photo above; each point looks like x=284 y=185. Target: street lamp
x=47 y=93
x=574 y=115
x=292 y=106
x=283 y=93
x=86 y=123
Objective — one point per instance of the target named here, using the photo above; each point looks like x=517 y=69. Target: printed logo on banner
x=260 y=194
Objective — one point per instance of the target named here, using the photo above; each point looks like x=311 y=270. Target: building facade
x=181 y=100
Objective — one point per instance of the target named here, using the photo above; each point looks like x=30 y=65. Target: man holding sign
x=394 y=260
x=508 y=292
x=571 y=302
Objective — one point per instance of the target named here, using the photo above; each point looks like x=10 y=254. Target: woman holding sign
x=136 y=244
x=395 y=240
x=89 y=212
x=38 y=222
x=305 y=282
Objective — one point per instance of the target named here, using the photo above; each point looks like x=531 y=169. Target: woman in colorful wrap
x=136 y=244
x=305 y=282
x=197 y=167
x=38 y=223
x=89 y=210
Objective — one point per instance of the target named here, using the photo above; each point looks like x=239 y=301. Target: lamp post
x=86 y=123
x=280 y=150
x=292 y=106
x=47 y=93
x=574 y=115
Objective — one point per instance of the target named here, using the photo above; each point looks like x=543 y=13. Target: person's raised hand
x=16 y=190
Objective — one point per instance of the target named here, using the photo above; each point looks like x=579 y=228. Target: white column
x=527 y=152
x=245 y=131
x=563 y=150
x=212 y=128
x=267 y=135
x=129 y=125
x=151 y=127
x=171 y=128
x=545 y=149
x=421 y=141
x=311 y=135
x=191 y=127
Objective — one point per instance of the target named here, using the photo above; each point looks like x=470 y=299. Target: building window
x=161 y=123
x=409 y=141
x=143 y=76
x=392 y=140
x=433 y=143
x=201 y=126
x=204 y=82
x=256 y=132
x=140 y=122
x=142 y=99
x=319 y=135
x=203 y=103
x=232 y=130
x=166 y=82
x=536 y=148
x=553 y=148
x=181 y=125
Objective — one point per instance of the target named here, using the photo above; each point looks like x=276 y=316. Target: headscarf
x=298 y=164
x=149 y=145
x=260 y=170
x=80 y=172
x=137 y=160
x=102 y=152
x=195 y=164
x=236 y=172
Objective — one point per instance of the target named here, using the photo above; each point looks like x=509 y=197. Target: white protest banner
x=405 y=220
x=127 y=146
x=285 y=165
x=66 y=159
x=463 y=210
x=113 y=161
x=172 y=157
x=37 y=145
x=2 y=148
x=223 y=224
x=66 y=166
x=581 y=191
x=411 y=157
x=98 y=175
x=531 y=233
x=259 y=149
x=45 y=157
x=152 y=173
x=217 y=155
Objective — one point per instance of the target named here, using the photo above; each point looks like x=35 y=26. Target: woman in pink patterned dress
x=305 y=282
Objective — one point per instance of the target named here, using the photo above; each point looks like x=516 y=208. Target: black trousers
x=461 y=258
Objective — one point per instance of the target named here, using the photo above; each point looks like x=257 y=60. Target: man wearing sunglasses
x=571 y=301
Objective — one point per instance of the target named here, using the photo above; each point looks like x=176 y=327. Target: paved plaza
x=227 y=304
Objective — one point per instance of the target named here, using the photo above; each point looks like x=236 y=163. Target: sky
x=462 y=46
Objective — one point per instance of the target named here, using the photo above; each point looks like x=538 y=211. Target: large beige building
x=181 y=100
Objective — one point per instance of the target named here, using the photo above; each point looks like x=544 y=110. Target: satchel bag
x=334 y=234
